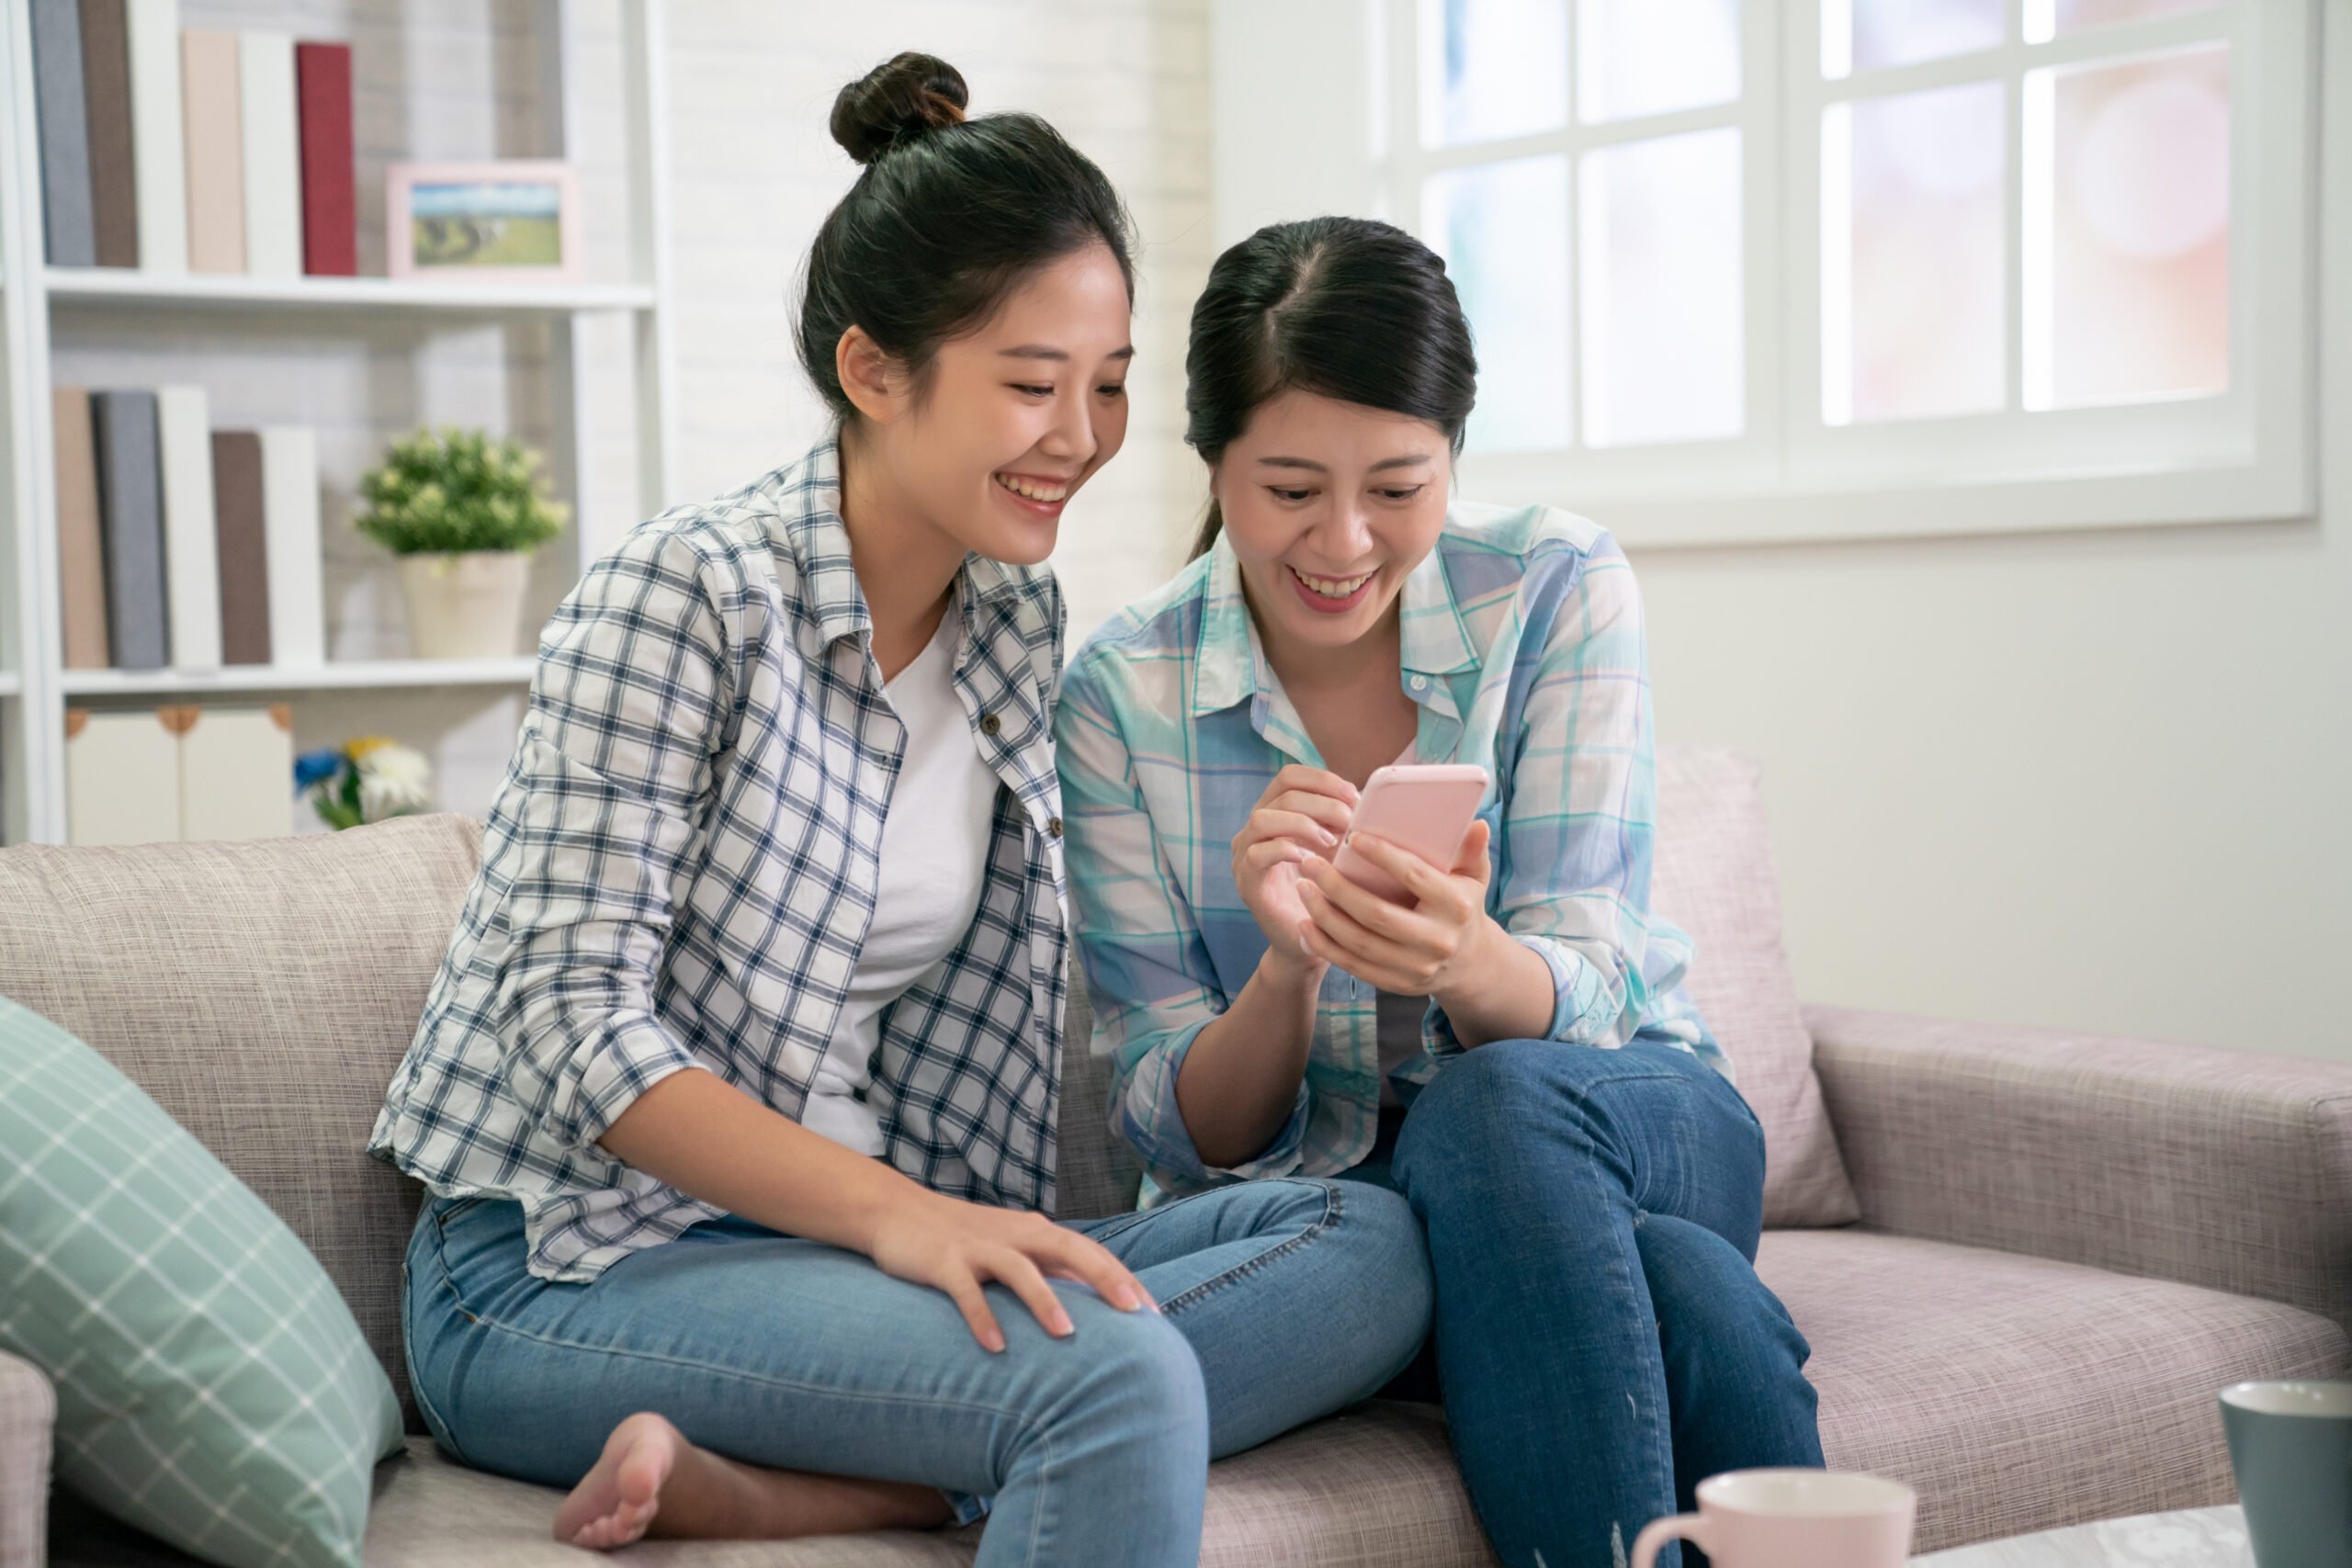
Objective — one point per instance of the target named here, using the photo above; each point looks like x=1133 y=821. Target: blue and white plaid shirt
x=1522 y=650
x=679 y=872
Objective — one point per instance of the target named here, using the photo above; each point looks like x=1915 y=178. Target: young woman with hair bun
x=736 y=1092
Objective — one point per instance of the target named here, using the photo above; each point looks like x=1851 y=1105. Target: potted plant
x=463 y=513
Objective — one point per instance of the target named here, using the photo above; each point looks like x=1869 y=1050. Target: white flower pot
x=467 y=605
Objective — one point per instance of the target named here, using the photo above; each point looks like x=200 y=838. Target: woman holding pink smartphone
x=1503 y=1038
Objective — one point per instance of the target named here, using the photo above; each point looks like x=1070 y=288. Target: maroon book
x=330 y=202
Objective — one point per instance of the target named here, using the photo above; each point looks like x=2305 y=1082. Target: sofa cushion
x=212 y=1386
x=2019 y=1393
x=262 y=993
x=1712 y=876
x=1373 y=1486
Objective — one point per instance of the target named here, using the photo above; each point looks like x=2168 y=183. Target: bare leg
x=650 y=1480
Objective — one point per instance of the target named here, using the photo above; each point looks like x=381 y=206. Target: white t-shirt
x=934 y=854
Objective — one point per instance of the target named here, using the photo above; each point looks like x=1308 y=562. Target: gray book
x=131 y=507
x=64 y=133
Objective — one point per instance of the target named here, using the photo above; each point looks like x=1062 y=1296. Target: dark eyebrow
x=1042 y=351
x=1312 y=466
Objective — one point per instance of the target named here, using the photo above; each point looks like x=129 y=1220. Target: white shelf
x=128 y=285
x=387 y=673
x=33 y=782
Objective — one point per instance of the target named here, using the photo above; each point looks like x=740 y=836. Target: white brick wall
x=753 y=173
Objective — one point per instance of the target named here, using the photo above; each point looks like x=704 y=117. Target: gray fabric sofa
x=2066 y=1244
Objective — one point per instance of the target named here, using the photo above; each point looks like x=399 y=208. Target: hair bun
x=896 y=102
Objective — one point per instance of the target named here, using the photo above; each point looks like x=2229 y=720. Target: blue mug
x=2291 y=1444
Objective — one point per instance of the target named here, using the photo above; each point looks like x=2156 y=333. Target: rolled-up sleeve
x=1148 y=971
x=1579 y=815
x=611 y=787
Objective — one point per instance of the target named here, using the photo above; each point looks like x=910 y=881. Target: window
x=1748 y=269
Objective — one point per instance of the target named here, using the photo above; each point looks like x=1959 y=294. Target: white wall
x=2098 y=781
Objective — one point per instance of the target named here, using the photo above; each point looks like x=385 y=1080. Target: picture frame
x=514 y=220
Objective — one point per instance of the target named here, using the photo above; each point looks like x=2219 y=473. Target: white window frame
x=1315 y=110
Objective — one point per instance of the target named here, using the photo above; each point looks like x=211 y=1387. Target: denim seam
x=1333 y=1210
x=1021 y=1422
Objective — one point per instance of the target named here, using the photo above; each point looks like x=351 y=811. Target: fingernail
x=1064 y=1327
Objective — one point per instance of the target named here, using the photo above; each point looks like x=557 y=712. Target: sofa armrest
x=27 y=1416
x=2222 y=1169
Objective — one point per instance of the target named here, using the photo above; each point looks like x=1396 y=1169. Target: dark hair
x=1346 y=308
x=948 y=217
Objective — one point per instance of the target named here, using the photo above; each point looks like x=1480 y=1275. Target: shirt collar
x=810 y=508
x=1434 y=639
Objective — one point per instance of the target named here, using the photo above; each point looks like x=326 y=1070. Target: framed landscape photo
x=516 y=221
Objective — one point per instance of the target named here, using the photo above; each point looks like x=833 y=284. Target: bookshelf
x=34 y=684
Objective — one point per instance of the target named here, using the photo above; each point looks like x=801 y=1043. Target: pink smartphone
x=1426 y=807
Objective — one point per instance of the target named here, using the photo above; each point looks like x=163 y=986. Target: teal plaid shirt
x=1522 y=650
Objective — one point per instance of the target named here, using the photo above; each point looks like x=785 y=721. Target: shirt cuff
x=1577 y=993
x=1165 y=1143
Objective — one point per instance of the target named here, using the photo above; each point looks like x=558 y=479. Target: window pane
x=1503 y=230
x=1869 y=34
x=2128 y=252
x=1638 y=57
x=2074 y=15
x=1912 y=195
x=1505 y=69
x=1660 y=312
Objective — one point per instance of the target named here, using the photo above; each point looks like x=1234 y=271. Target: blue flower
x=312 y=767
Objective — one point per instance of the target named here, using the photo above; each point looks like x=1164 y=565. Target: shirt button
x=1054 y=826
x=1420 y=682
x=991 y=724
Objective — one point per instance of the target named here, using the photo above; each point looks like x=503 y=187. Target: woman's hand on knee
x=956 y=1248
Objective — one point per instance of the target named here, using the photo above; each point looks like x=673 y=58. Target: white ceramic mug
x=1792 y=1519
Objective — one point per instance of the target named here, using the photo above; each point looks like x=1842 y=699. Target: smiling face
x=1330 y=506
x=1011 y=418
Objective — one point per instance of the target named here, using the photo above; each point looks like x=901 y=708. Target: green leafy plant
x=454 y=489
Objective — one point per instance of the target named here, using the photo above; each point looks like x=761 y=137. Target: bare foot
x=650 y=1480
x=617 y=1502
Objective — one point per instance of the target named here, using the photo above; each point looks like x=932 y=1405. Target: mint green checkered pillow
x=212 y=1386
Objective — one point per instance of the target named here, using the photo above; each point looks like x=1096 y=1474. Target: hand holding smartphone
x=1426 y=807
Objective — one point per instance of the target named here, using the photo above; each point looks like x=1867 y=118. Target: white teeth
x=1032 y=490
x=1332 y=587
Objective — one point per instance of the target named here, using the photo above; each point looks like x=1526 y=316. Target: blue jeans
x=790 y=1354
x=1603 y=1344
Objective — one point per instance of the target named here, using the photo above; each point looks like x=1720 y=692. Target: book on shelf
x=270 y=126
x=69 y=238
x=330 y=182
x=182 y=771
x=212 y=114
x=81 y=556
x=192 y=548
x=158 y=151
x=106 y=102
x=289 y=486
x=244 y=546
x=131 y=509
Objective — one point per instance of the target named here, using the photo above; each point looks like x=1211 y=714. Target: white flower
x=393 y=779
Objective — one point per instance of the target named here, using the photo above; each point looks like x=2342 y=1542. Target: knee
x=1132 y=1379
x=1391 y=1275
